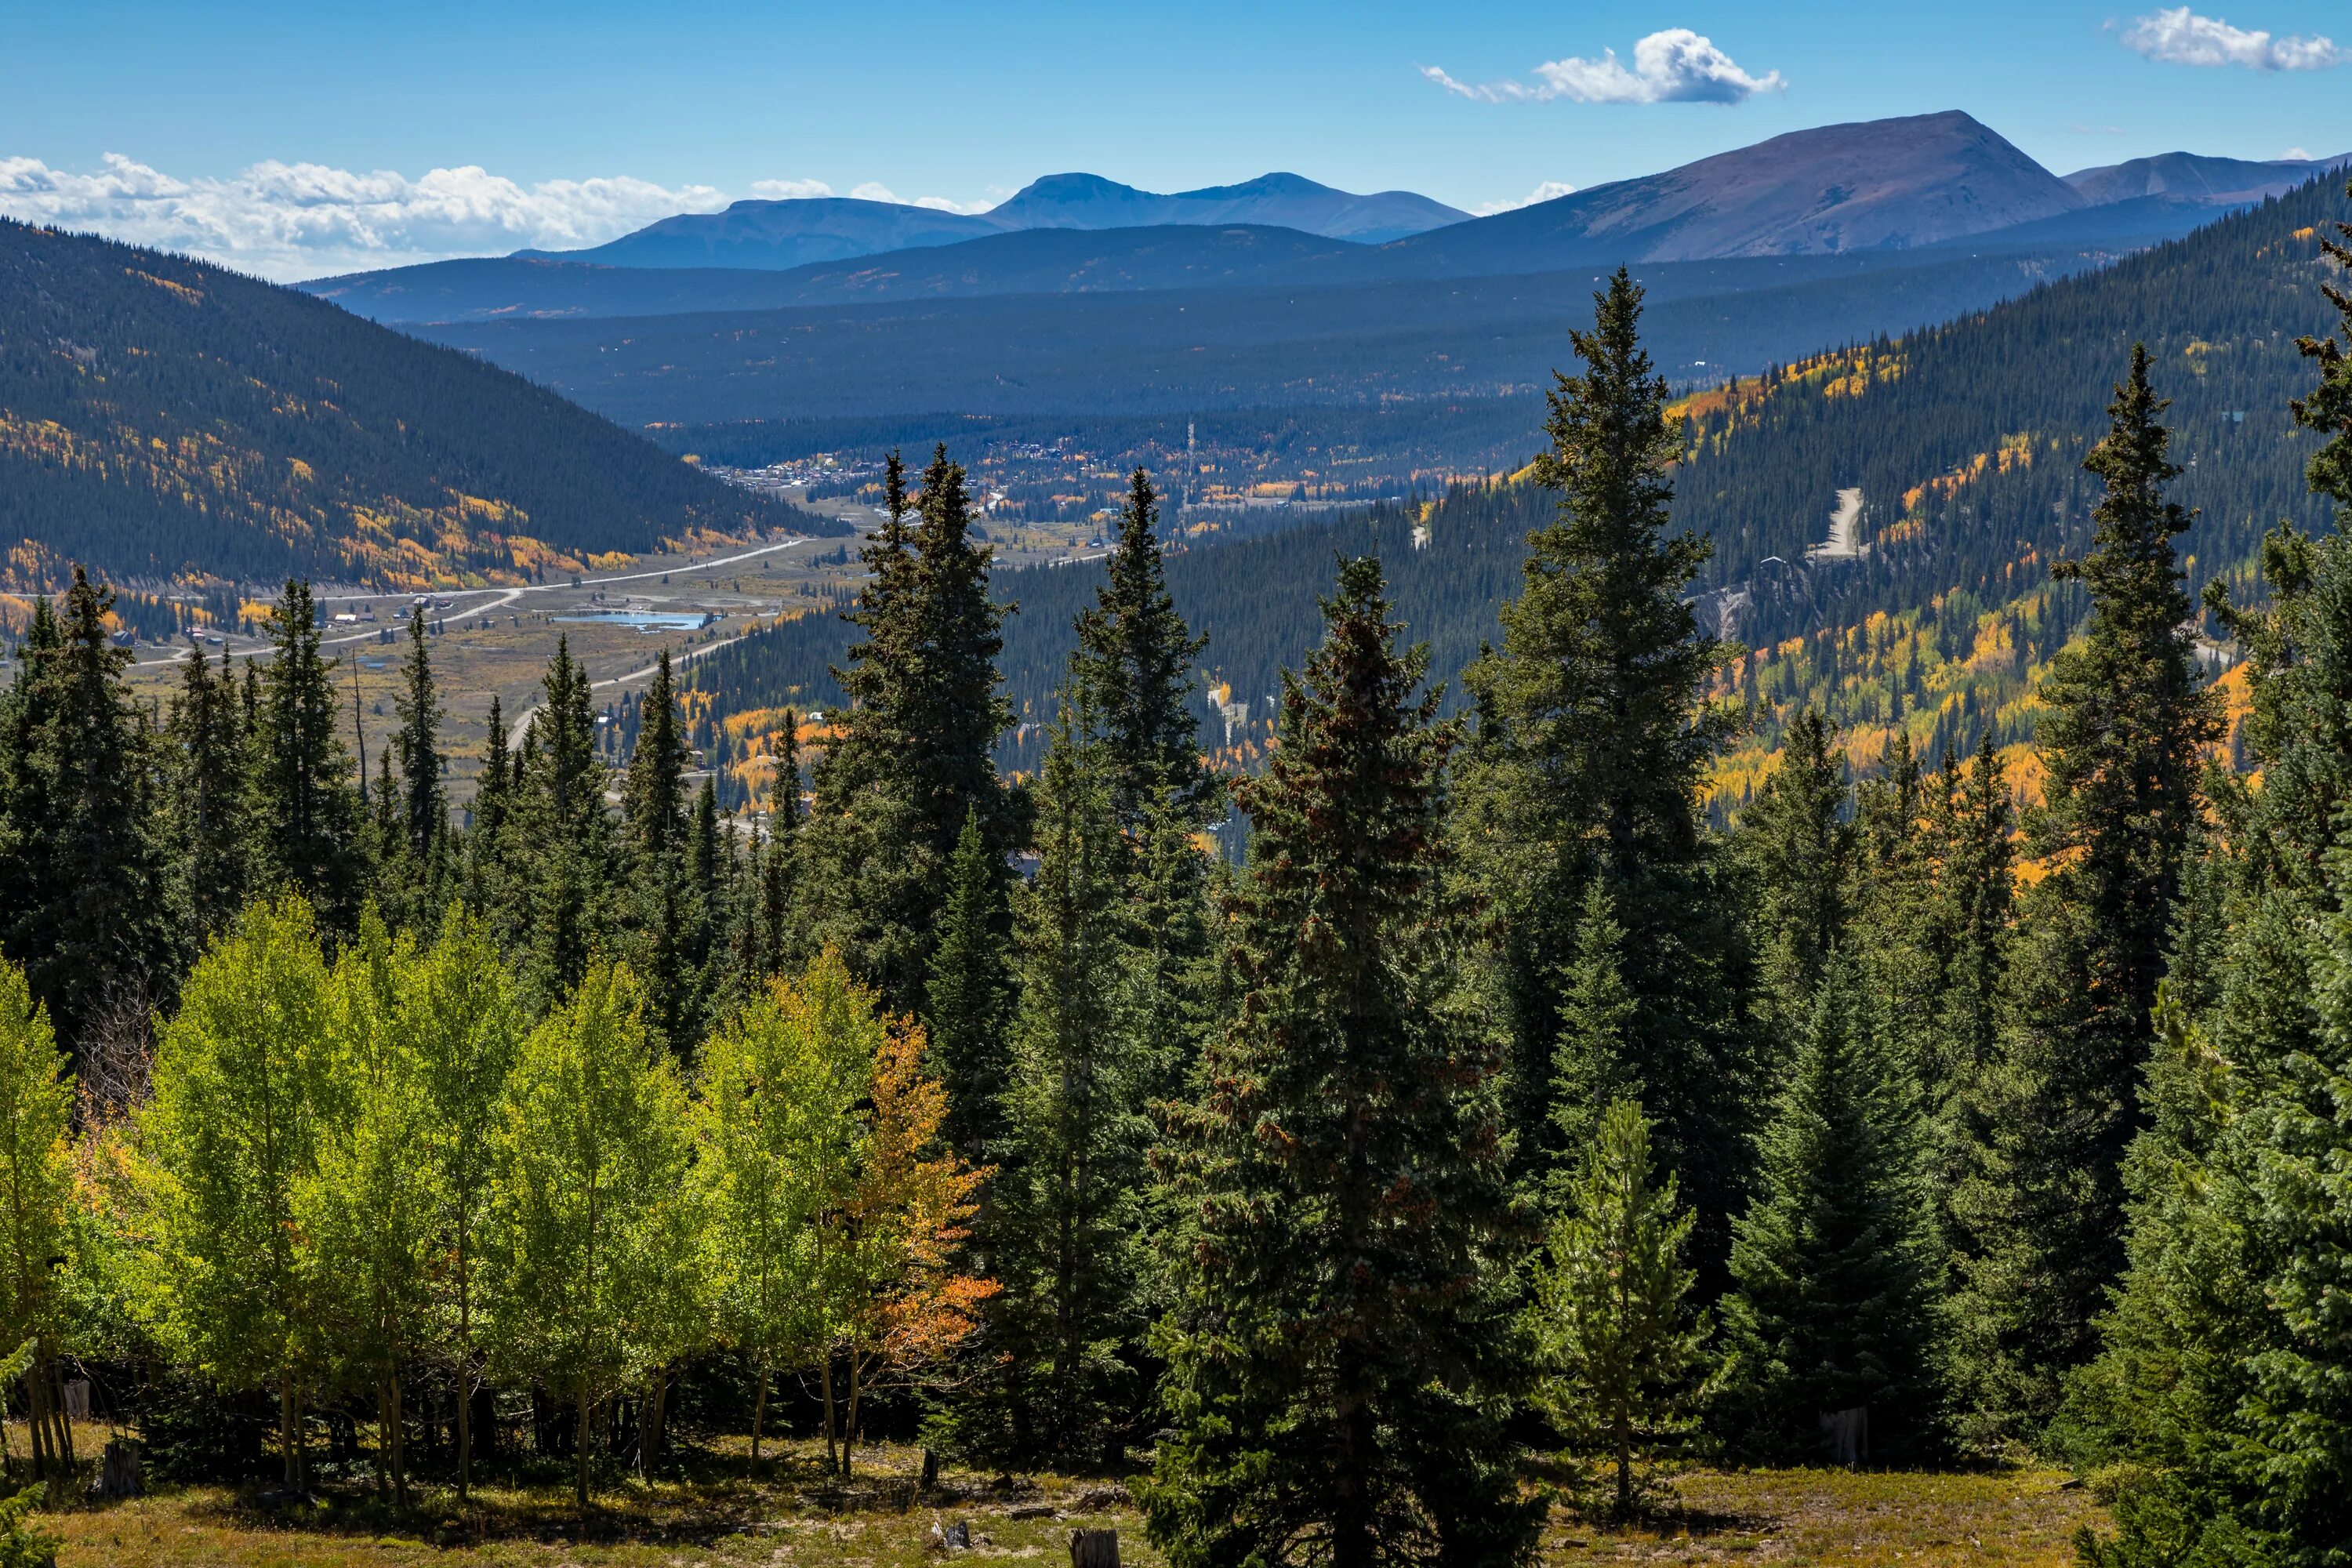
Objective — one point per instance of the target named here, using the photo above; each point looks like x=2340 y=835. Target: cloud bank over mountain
x=286 y=221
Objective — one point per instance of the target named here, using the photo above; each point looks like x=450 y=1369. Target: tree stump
x=930 y=1469
x=117 y=1470
x=1093 y=1548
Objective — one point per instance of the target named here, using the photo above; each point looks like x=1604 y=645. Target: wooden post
x=1093 y=1548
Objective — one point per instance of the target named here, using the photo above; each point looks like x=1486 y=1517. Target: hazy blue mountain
x=777 y=236
x=1882 y=184
x=1036 y=261
x=773 y=236
x=1285 y=201
x=2193 y=177
x=1915 y=183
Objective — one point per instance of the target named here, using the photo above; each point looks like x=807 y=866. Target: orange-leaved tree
x=898 y=1304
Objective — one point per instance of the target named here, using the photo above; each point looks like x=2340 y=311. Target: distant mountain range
x=1911 y=183
x=1282 y=201
x=161 y=419
x=776 y=236
x=2189 y=178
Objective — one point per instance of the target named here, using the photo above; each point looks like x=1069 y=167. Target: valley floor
x=2017 y=1519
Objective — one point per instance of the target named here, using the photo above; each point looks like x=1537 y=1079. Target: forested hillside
x=161 y=419
x=1965 y=440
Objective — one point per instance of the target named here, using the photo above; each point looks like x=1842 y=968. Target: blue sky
x=297 y=139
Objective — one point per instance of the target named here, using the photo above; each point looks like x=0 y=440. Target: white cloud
x=301 y=220
x=2296 y=154
x=876 y=190
x=2181 y=38
x=1550 y=190
x=298 y=220
x=790 y=190
x=1676 y=66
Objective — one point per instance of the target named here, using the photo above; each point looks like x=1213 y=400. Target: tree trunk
x=61 y=1415
x=1624 y=1435
x=580 y=1442
x=759 y=1413
x=849 y=1427
x=465 y=1382
x=36 y=1431
x=832 y=1458
x=286 y=1439
x=398 y=1447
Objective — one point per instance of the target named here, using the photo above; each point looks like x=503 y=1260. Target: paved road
x=502 y=597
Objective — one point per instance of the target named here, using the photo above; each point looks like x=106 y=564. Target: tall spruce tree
x=565 y=852
x=912 y=755
x=1133 y=668
x=1796 y=844
x=2125 y=723
x=1063 y=1227
x=1593 y=735
x=309 y=830
x=654 y=814
x=91 y=923
x=1835 y=1291
x=424 y=805
x=1591 y=1071
x=970 y=995
x=206 y=734
x=1339 y=1355
x=2219 y=1394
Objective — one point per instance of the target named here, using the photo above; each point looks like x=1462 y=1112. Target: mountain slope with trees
x=1964 y=441
x=162 y=419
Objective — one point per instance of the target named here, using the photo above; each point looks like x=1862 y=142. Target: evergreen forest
x=1502 y=1130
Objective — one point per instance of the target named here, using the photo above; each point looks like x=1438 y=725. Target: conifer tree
x=780 y=946
x=1132 y=668
x=653 y=798
x=1593 y=735
x=565 y=850
x=207 y=781
x=1896 y=933
x=1622 y=1356
x=913 y=754
x=308 y=826
x=969 y=992
x=489 y=846
x=1590 y=1069
x=1834 y=1293
x=91 y=921
x=1798 y=850
x=2127 y=721
x=1065 y=1227
x=424 y=807
x=1341 y=1348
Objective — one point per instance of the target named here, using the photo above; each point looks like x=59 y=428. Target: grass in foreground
x=2021 y=1518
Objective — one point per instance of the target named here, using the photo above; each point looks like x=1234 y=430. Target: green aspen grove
x=244 y=1081
x=592 y=1230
